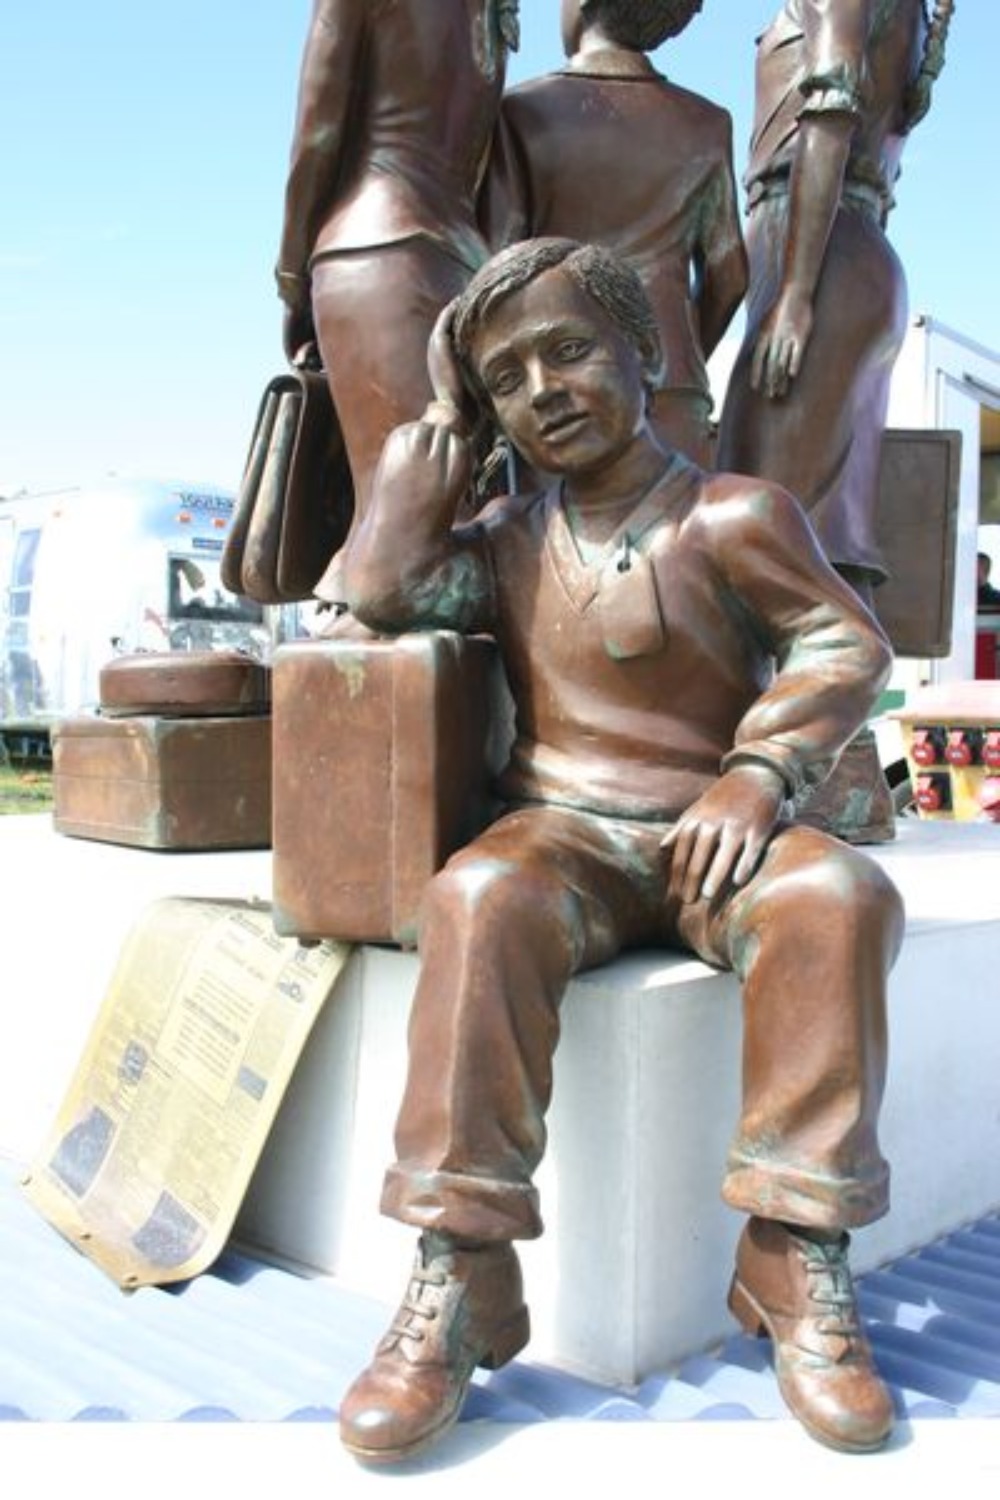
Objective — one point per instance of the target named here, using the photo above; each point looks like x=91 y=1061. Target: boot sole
x=754 y=1320
x=388 y=1456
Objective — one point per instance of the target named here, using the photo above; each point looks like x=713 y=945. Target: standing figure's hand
x=299 y=333
x=781 y=344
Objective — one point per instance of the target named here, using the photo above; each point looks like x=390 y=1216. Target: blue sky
x=141 y=177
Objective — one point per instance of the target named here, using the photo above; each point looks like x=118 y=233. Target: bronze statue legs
x=545 y=893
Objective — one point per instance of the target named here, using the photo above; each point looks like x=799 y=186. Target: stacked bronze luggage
x=374 y=767
x=177 y=757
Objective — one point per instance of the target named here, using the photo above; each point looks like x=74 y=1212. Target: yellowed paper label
x=153 y=1148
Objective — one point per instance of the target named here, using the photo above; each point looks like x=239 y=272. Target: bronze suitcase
x=381 y=770
x=185 y=684
x=164 y=783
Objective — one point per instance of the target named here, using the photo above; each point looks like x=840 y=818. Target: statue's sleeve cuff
x=778 y=758
x=831 y=95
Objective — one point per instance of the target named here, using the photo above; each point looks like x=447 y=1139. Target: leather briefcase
x=383 y=752
x=184 y=684
x=296 y=496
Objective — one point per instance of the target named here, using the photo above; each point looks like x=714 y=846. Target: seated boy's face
x=565 y=382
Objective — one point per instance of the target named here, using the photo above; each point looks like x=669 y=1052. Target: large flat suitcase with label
x=164 y=783
x=382 y=758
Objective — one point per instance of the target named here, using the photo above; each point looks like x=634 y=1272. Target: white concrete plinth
x=631 y=1274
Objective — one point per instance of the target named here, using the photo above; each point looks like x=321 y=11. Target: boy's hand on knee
x=722 y=836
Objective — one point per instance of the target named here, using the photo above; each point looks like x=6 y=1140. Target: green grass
x=25 y=789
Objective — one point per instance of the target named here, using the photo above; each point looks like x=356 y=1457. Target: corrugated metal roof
x=249 y=1342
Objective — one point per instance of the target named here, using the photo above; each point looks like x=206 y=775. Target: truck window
x=23 y=692
x=23 y=572
x=195 y=592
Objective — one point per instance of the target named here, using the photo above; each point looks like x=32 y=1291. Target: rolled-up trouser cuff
x=773 y=1191
x=459 y=1203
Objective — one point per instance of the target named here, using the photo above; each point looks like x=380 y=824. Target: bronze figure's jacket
x=856 y=58
x=607 y=151
x=408 y=92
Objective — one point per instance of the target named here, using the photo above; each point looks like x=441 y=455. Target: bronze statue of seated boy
x=682 y=661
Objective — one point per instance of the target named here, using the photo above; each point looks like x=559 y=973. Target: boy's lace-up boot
x=798 y=1290
x=464 y=1307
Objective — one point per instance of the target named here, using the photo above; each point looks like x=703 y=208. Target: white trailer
x=88 y=572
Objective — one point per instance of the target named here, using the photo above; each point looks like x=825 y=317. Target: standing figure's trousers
x=822 y=440
x=548 y=891
x=374 y=312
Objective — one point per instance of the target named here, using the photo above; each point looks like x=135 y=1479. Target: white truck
x=89 y=572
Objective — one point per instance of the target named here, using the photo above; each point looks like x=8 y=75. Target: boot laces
x=416 y=1305
x=830 y=1286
